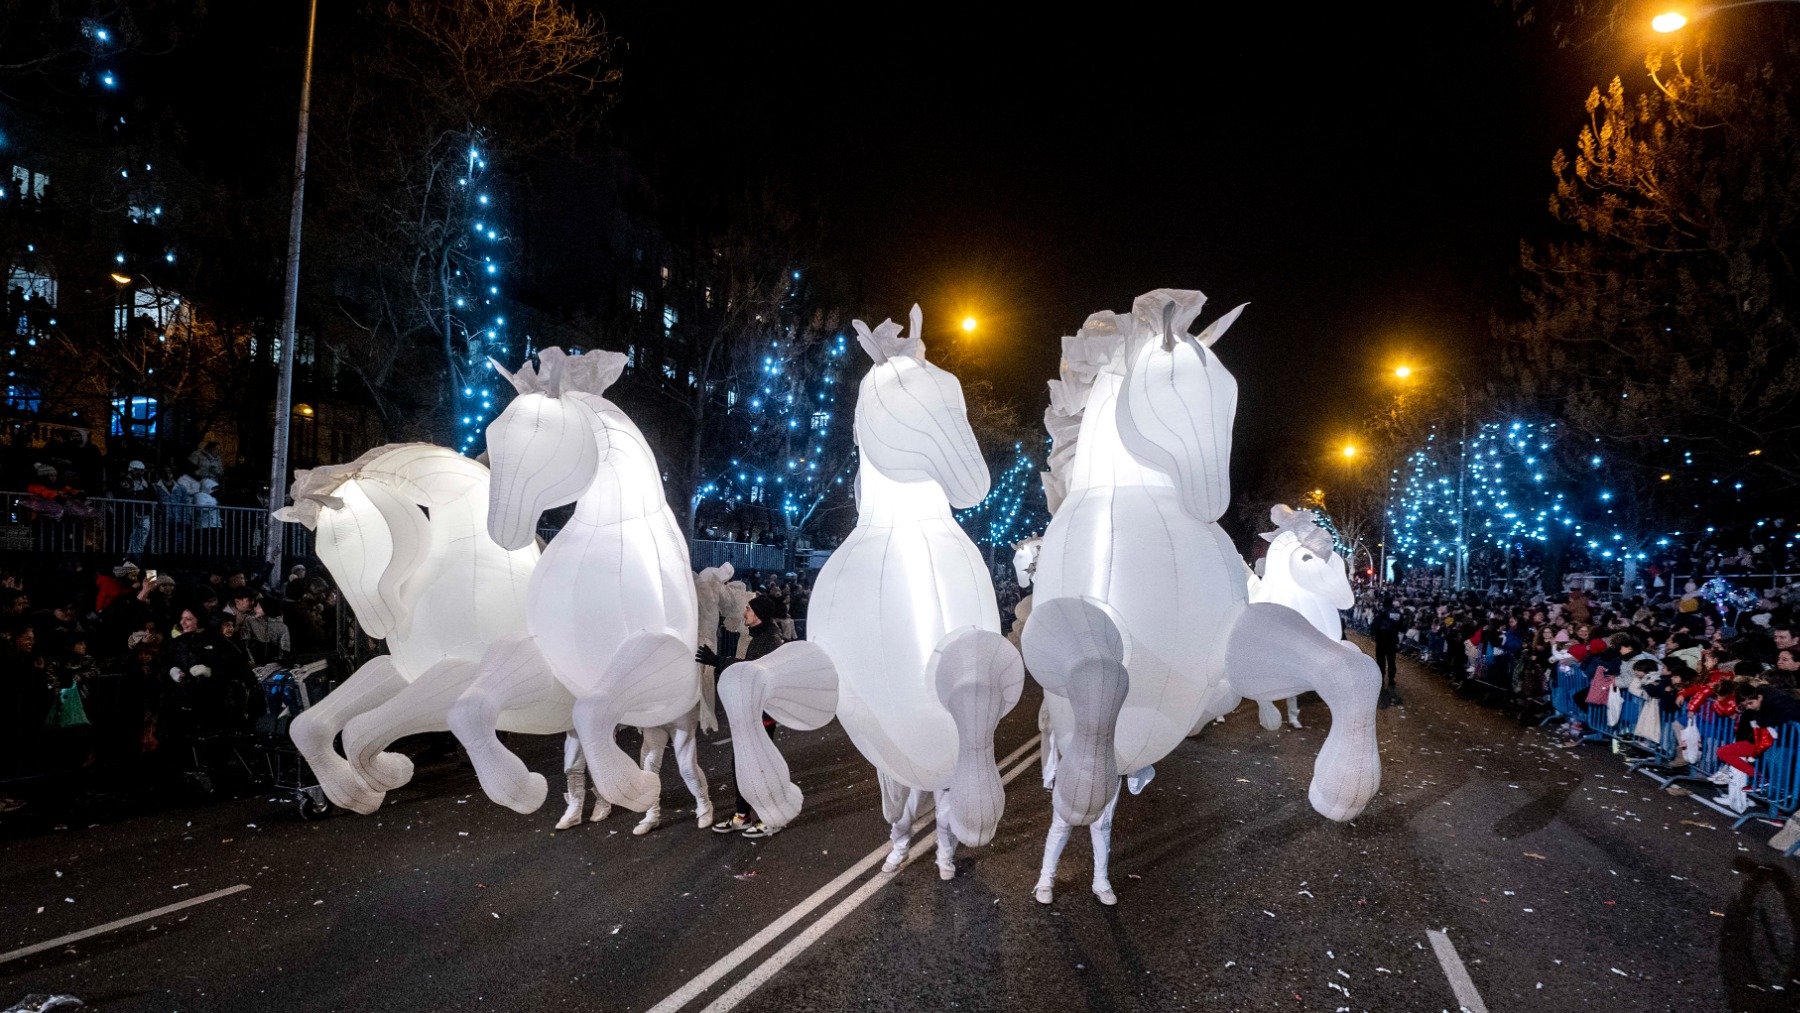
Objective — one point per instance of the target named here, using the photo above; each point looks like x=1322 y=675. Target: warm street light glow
x=1403 y=372
x=1756 y=453
x=304 y=410
x=969 y=324
x=1669 y=22
x=1665 y=477
x=1349 y=450
x=121 y=279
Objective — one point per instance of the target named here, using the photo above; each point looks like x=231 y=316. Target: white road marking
x=1466 y=995
x=76 y=937
x=722 y=741
x=760 y=974
x=730 y=961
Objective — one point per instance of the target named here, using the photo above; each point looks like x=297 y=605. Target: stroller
x=288 y=690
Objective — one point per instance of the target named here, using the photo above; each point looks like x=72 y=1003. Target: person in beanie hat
x=759 y=618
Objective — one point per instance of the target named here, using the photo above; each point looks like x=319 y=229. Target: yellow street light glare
x=968 y=324
x=1665 y=477
x=1349 y=450
x=121 y=279
x=1403 y=372
x=1670 y=21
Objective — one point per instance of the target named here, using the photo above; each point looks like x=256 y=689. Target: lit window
x=820 y=420
x=637 y=300
x=33 y=285
x=669 y=370
x=134 y=416
x=706 y=294
x=22 y=398
x=28 y=183
x=730 y=398
x=669 y=318
x=630 y=355
x=665 y=275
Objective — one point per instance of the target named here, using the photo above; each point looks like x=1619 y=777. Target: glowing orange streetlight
x=969 y=325
x=1349 y=451
x=1669 y=21
x=1403 y=371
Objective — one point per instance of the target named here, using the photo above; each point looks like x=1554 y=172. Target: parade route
x=1556 y=880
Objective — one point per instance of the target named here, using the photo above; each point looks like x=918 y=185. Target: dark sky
x=1363 y=185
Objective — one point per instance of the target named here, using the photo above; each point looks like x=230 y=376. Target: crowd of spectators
x=1701 y=648
x=119 y=682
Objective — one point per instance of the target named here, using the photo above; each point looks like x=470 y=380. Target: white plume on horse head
x=557 y=372
x=912 y=422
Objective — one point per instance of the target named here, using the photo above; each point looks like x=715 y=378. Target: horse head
x=371 y=535
x=543 y=447
x=912 y=423
x=1302 y=555
x=1177 y=402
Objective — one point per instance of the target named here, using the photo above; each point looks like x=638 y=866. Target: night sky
x=1364 y=186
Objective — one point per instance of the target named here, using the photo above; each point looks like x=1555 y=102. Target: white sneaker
x=1042 y=893
x=703 y=818
x=602 y=809
x=571 y=816
x=1103 y=891
x=1294 y=719
x=1722 y=775
x=651 y=821
x=946 y=872
x=896 y=857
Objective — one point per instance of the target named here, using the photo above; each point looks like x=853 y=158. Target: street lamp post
x=1462 y=472
x=284 y=388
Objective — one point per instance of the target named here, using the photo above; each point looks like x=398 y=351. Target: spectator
x=266 y=635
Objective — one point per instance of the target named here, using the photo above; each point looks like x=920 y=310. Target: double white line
x=771 y=966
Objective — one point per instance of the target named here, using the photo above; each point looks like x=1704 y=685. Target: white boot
x=1042 y=891
x=571 y=816
x=896 y=857
x=703 y=816
x=652 y=819
x=1293 y=709
x=602 y=809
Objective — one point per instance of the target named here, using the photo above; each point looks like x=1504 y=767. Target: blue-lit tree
x=1014 y=507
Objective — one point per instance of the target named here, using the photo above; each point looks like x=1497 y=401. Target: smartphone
x=149 y=576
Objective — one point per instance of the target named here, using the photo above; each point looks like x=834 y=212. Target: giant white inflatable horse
x=1304 y=572
x=610 y=614
x=904 y=641
x=436 y=588
x=1140 y=606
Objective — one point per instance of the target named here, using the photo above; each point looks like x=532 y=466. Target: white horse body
x=1118 y=538
x=934 y=580
x=904 y=643
x=434 y=587
x=611 y=613
x=1140 y=604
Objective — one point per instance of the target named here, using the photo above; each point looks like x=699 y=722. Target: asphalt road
x=1561 y=882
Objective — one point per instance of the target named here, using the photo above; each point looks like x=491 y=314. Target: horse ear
x=916 y=336
x=512 y=378
x=866 y=338
x=1216 y=330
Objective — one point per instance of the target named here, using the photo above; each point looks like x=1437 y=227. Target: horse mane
x=1100 y=346
x=886 y=341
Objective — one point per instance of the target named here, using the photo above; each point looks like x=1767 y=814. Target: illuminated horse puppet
x=1303 y=571
x=610 y=616
x=1140 y=606
x=436 y=588
x=904 y=634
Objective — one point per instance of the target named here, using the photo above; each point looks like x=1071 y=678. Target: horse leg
x=1267 y=715
x=648 y=682
x=421 y=707
x=317 y=727
x=946 y=836
x=1100 y=836
x=797 y=685
x=1075 y=649
x=514 y=675
x=979 y=677
x=1273 y=653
